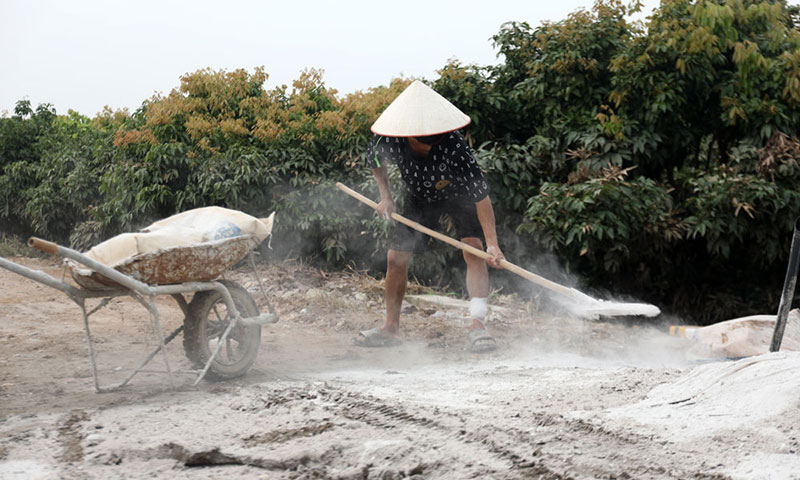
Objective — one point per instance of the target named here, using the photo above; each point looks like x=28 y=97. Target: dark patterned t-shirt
x=448 y=172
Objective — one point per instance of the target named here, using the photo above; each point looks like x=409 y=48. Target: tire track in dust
x=536 y=445
x=70 y=437
x=563 y=448
x=377 y=413
x=587 y=450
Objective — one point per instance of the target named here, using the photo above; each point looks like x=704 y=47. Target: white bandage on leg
x=478 y=308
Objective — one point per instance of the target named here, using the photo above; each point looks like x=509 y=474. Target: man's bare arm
x=487 y=221
x=386 y=205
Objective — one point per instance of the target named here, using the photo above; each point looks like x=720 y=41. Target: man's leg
x=396 y=280
x=477 y=279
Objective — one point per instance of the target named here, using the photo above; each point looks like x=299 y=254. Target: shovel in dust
x=578 y=302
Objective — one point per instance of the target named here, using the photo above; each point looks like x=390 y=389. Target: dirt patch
x=561 y=398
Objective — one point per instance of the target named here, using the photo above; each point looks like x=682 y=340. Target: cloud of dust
x=561 y=335
x=568 y=340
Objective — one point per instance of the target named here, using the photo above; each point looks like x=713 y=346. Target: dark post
x=788 y=290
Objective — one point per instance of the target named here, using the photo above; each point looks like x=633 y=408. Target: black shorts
x=462 y=211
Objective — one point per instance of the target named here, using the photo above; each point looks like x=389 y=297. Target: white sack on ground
x=741 y=337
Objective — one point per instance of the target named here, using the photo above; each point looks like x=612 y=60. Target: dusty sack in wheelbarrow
x=195 y=245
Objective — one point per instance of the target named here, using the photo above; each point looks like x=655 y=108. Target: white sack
x=186 y=229
x=742 y=337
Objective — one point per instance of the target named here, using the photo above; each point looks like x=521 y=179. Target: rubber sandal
x=480 y=341
x=375 y=338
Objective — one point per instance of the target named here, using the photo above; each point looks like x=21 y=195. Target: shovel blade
x=589 y=307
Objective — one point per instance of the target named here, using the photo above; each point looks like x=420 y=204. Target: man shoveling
x=418 y=132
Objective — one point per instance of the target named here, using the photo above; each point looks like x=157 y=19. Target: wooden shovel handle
x=463 y=246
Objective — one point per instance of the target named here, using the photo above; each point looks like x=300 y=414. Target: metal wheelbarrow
x=222 y=324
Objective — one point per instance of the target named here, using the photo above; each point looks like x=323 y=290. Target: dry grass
x=11 y=245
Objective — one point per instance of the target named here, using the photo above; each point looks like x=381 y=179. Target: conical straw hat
x=417 y=112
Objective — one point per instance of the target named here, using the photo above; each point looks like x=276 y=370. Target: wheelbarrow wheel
x=208 y=319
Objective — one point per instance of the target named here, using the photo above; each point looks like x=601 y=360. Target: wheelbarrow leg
x=151 y=305
x=138 y=369
x=152 y=354
x=89 y=342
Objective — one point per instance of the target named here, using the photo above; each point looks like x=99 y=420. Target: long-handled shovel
x=579 y=302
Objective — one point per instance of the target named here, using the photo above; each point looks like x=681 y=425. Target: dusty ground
x=560 y=399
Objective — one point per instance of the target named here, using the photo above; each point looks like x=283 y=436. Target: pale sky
x=84 y=54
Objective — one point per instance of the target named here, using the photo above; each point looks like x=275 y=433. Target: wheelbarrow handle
x=126 y=281
x=43 y=245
